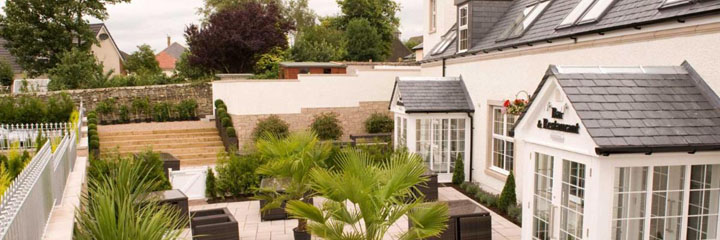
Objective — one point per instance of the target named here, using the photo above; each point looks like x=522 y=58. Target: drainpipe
x=443 y=67
x=472 y=131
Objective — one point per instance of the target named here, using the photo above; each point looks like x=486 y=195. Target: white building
x=503 y=49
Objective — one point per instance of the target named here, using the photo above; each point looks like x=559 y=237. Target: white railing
x=25 y=134
x=26 y=205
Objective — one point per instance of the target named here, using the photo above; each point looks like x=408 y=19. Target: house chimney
x=168 y=40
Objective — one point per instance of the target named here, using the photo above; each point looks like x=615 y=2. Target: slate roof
x=428 y=94
x=398 y=51
x=621 y=14
x=6 y=56
x=662 y=109
x=96 y=27
x=175 y=50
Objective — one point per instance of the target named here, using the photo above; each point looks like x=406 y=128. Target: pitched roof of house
x=6 y=56
x=642 y=109
x=170 y=55
x=96 y=27
x=399 y=51
x=432 y=94
x=621 y=14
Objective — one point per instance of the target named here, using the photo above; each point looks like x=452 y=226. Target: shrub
x=210 y=188
x=231 y=132
x=379 y=123
x=486 y=199
x=472 y=189
x=59 y=108
x=226 y=122
x=6 y=73
x=161 y=112
x=219 y=102
x=459 y=171
x=124 y=112
x=515 y=212
x=30 y=110
x=507 y=197
x=327 y=126
x=272 y=125
x=92 y=132
x=141 y=107
x=92 y=126
x=105 y=108
x=94 y=144
x=236 y=174
x=186 y=109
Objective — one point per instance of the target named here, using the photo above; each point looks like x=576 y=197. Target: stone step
x=159 y=136
x=158 y=147
x=131 y=141
x=181 y=151
x=156 y=132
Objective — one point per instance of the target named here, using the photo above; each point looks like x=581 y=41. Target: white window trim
x=463 y=27
x=431 y=139
x=433 y=16
x=493 y=136
x=581 y=18
x=673 y=3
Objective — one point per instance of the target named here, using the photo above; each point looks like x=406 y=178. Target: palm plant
x=290 y=160
x=118 y=206
x=364 y=198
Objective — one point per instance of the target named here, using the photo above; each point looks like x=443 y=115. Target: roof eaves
x=606 y=151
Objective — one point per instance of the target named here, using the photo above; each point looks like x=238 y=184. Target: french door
x=440 y=141
x=558 y=198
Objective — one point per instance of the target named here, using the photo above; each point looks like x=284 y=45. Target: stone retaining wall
x=202 y=93
x=351 y=118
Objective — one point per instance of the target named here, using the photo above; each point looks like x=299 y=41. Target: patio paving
x=251 y=228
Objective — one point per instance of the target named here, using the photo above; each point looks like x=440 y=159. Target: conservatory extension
x=620 y=153
x=433 y=119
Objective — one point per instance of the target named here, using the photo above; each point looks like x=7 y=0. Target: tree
x=143 y=61
x=380 y=14
x=319 y=43
x=378 y=195
x=300 y=14
x=507 y=196
x=268 y=64
x=364 y=42
x=60 y=25
x=6 y=73
x=76 y=69
x=233 y=38
x=297 y=11
x=291 y=160
x=185 y=70
x=411 y=43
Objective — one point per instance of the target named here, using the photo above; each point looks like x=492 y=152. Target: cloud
x=151 y=21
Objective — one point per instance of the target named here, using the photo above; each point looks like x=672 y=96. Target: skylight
x=671 y=3
x=588 y=11
x=447 y=39
x=523 y=22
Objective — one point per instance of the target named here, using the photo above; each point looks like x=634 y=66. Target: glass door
x=440 y=141
x=558 y=206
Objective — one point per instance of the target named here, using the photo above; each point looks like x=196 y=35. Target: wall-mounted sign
x=554 y=125
x=556 y=114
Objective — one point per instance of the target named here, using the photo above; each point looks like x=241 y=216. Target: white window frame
x=581 y=13
x=502 y=137
x=533 y=13
x=463 y=27
x=672 y=3
x=449 y=141
x=433 y=16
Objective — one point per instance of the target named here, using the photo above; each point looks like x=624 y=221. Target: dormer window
x=523 y=22
x=463 y=32
x=587 y=11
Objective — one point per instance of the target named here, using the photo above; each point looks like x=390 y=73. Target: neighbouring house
x=501 y=50
x=106 y=50
x=621 y=153
x=291 y=70
x=418 y=52
x=398 y=50
x=169 y=56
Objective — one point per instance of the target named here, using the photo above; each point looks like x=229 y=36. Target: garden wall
x=202 y=93
x=352 y=119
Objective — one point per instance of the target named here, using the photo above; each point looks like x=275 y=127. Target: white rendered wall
x=254 y=97
x=493 y=77
x=446 y=14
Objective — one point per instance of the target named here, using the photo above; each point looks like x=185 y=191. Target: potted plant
x=292 y=158
x=367 y=197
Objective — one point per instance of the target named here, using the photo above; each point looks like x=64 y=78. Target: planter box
x=214 y=224
x=468 y=221
x=169 y=161
x=175 y=198
x=228 y=142
x=430 y=188
x=275 y=213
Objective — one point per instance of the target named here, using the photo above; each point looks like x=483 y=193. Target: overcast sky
x=151 y=21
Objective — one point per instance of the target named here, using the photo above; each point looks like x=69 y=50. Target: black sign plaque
x=554 y=125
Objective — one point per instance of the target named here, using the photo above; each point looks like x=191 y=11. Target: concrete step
x=131 y=141
x=157 y=132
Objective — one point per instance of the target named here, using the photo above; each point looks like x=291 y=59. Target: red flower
x=519 y=101
x=507 y=103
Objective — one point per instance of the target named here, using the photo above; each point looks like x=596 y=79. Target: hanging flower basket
x=517 y=106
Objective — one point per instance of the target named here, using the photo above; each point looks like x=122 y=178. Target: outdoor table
x=468 y=221
x=214 y=224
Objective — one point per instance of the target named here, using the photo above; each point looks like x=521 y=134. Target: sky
x=152 y=21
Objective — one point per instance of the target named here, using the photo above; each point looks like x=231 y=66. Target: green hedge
x=33 y=109
x=379 y=123
x=327 y=126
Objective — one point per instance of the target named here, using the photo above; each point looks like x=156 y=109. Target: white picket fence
x=26 y=134
x=26 y=205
